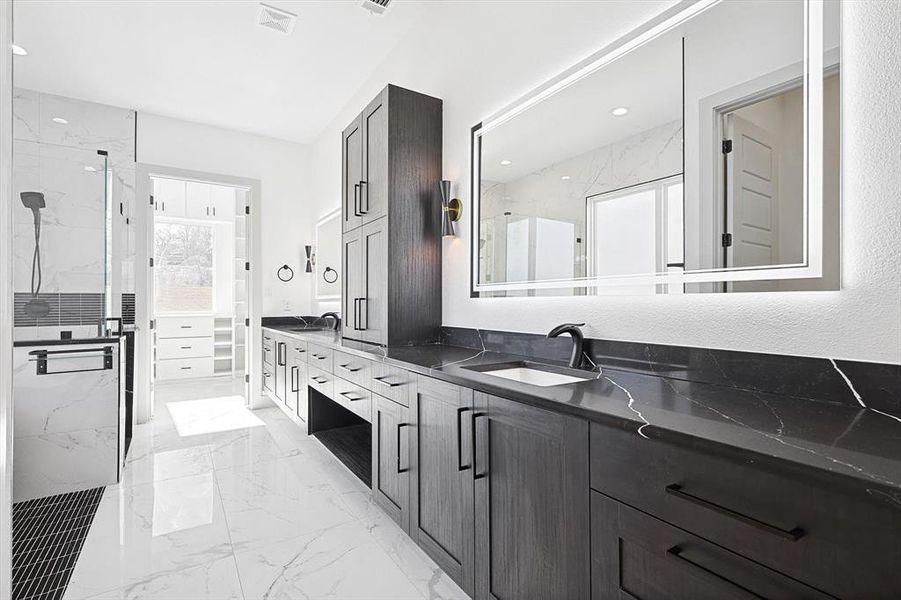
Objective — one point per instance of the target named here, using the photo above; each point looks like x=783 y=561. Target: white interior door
x=751 y=199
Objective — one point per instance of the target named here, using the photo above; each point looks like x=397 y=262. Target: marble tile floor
x=256 y=513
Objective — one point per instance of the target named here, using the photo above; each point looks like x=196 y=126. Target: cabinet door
x=374 y=184
x=222 y=202
x=281 y=371
x=352 y=286
x=169 y=197
x=441 y=485
x=197 y=200
x=391 y=459
x=530 y=469
x=297 y=392
x=374 y=306
x=352 y=175
x=639 y=557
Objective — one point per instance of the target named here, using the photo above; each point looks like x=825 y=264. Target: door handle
x=280 y=358
x=399 y=426
x=460 y=465
x=357 y=212
x=674 y=555
x=364 y=306
x=348 y=369
x=386 y=383
x=792 y=535
x=356 y=313
x=362 y=187
x=349 y=396
x=294 y=387
x=207 y=211
x=475 y=470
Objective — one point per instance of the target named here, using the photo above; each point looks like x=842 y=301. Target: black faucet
x=573 y=330
x=335 y=317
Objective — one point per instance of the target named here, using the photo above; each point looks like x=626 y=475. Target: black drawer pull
x=399 y=426
x=186 y=347
x=347 y=368
x=388 y=383
x=792 y=535
x=460 y=465
x=475 y=470
x=674 y=555
x=350 y=397
x=299 y=349
x=319 y=379
x=319 y=356
x=295 y=381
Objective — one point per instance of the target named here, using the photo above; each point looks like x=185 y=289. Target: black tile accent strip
x=48 y=534
x=853 y=383
x=66 y=309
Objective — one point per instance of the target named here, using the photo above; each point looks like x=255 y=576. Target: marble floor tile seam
x=228 y=532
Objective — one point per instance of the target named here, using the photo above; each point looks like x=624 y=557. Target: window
x=183 y=269
x=637 y=230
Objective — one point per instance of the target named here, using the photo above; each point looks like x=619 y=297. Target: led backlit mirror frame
x=812 y=264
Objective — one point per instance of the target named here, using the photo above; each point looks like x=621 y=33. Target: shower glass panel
x=62 y=242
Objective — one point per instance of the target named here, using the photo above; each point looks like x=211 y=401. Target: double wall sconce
x=451 y=210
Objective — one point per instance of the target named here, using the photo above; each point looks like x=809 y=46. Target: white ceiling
x=208 y=61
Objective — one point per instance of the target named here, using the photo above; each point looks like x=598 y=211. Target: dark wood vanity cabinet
x=391 y=209
x=391 y=459
x=531 y=502
x=441 y=476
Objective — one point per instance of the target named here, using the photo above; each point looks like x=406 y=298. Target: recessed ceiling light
x=18 y=50
x=619 y=111
x=60 y=120
x=90 y=169
x=506 y=163
x=565 y=178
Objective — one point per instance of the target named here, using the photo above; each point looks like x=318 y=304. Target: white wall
x=477 y=69
x=287 y=216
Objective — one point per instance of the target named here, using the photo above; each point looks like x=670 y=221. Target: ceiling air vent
x=275 y=18
x=376 y=6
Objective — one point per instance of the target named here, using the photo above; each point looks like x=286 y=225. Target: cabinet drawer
x=800 y=522
x=297 y=350
x=268 y=341
x=175 y=327
x=268 y=379
x=184 y=368
x=168 y=348
x=392 y=382
x=354 y=398
x=352 y=368
x=634 y=555
x=321 y=381
x=320 y=357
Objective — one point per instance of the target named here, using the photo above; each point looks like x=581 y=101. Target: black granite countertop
x=863 y=444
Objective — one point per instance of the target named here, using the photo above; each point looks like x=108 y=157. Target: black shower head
x=33 y=200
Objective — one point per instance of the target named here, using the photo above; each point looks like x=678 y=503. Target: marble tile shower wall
x=50 y=157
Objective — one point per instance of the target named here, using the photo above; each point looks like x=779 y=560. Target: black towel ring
x=286 y=273
x=325 y=275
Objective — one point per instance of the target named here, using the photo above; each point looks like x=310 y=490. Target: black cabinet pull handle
x=319 y=379
x=296 y=349
x=350 y=397
x=362 y=187
x=475 y=470
x=294 y=386
x=364 y=316
x=460 y=465
x=280 y=354
x=399 y=426
x=382 y=379
x=675 y=556
x=357 y=212
x=356 y=313
x=792 y=535
x=347 y=368
x=319 y=356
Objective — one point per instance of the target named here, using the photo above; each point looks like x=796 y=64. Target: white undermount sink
x=532 y=376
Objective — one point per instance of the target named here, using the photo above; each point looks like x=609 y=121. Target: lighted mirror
x=700 y=153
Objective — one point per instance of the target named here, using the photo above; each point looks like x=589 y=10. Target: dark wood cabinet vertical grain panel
x=391 y=171
x=352 y=284
x=374 y=185
x=441 y=491
x=639 y=557
x=351 y=175
x=414 y=213
x=531 y=502
x=374 y=308
x=391 y=459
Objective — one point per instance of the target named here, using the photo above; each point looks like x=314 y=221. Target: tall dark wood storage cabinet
x=391 y=220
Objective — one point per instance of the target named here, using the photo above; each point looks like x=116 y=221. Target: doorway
x=195 y=306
